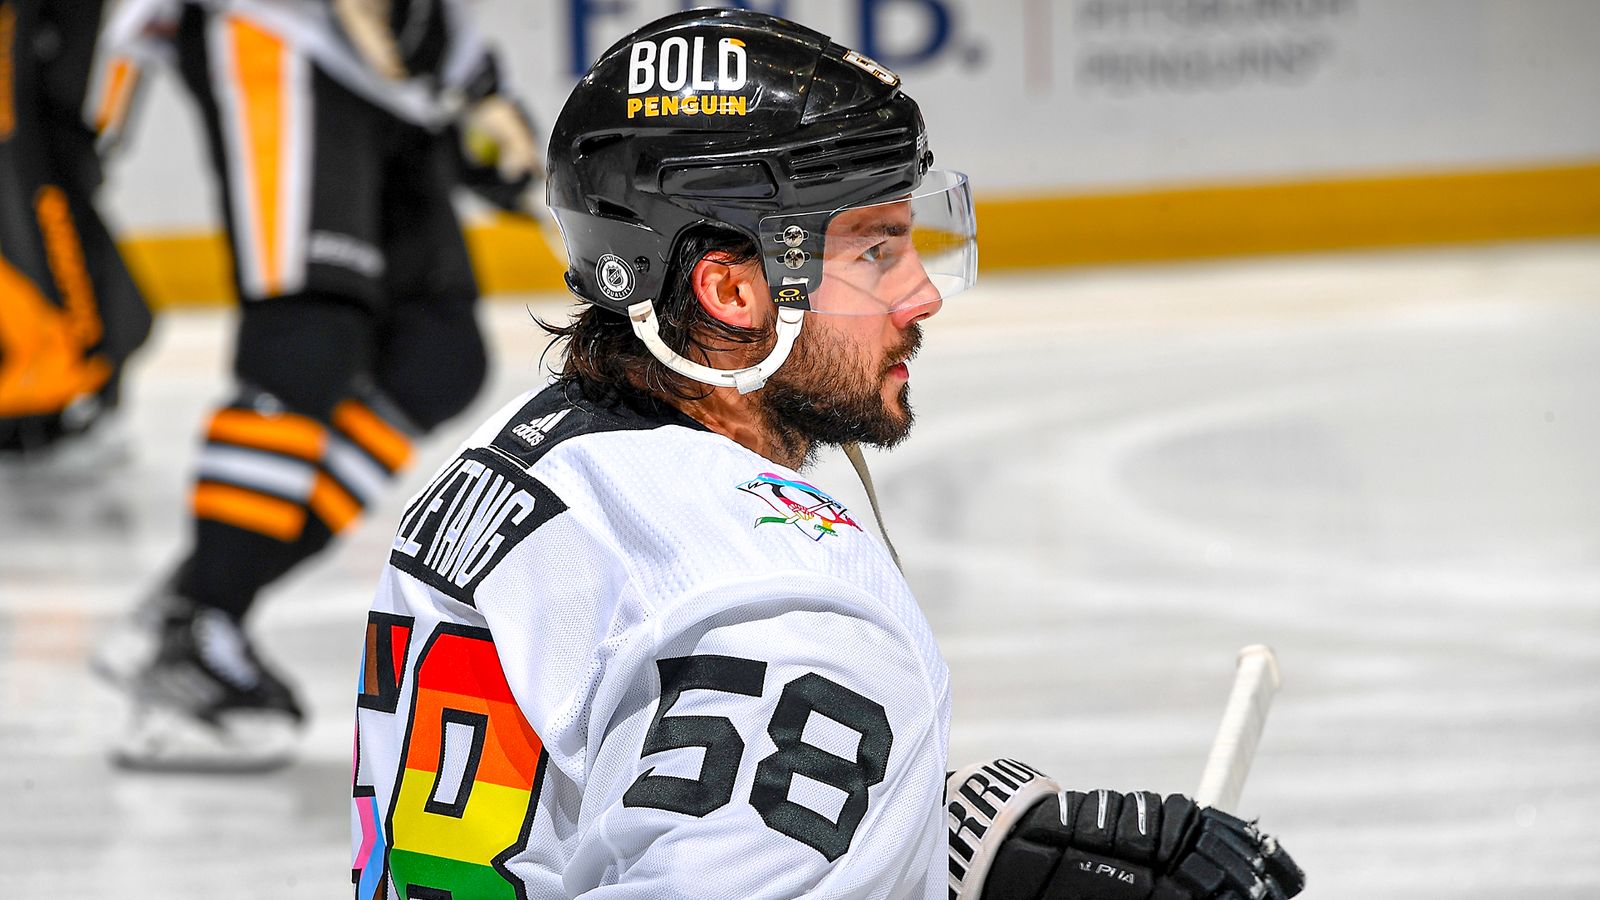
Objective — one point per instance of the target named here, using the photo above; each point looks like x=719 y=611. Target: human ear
x=730 y=292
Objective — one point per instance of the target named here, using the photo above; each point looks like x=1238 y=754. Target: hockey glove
x=499 y=154
x=1107 y=846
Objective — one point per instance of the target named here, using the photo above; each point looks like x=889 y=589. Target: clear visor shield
x=877 y=259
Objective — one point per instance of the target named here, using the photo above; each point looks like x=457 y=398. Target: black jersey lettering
x=468 y=519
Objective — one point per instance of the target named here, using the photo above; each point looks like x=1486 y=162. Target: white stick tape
x=1254 y=685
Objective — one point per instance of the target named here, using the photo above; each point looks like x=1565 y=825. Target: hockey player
x=70 y=315
x=337 y=131
x=623 y=647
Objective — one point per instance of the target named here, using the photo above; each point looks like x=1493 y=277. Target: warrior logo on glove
x=1038 y=841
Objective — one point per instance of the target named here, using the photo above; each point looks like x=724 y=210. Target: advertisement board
x=1138 y=110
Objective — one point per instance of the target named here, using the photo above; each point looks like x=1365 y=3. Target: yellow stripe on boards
x=492 y=821
x=181 y=269
x=1289 y=217
x=512 y=256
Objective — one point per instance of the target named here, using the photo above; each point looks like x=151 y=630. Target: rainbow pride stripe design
x=453 y=826
x=383 y=665
x=369 y=853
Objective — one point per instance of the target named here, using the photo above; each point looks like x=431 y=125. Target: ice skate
x=129 y=645
x=206 y=702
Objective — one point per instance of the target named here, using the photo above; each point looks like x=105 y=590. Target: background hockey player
x=337 y=131
x=70 y=314
x=623 y=647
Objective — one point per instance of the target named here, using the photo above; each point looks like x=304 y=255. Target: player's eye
x=875 y=253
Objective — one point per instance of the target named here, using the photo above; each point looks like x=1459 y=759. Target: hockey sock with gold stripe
x=274 y=486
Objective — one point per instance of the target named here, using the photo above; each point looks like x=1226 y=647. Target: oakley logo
x=795 y=296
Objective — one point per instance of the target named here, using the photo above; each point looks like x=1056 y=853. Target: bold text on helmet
x=677 y=63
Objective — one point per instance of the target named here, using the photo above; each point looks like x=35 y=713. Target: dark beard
x=818 y=398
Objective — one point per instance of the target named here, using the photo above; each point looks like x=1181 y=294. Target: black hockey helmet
x=748 y=121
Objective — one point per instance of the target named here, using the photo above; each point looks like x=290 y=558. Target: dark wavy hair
x=608 y=361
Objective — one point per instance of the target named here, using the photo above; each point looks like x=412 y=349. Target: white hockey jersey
x=617 y=655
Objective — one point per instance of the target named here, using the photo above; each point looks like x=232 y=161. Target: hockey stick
x=1254 y=683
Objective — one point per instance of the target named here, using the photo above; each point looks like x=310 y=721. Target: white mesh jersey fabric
x=801 y=750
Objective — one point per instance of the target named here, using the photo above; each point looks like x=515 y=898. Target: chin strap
x=852 y=452
x=648 y=328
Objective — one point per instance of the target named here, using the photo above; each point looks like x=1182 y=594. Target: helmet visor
x=876 y=259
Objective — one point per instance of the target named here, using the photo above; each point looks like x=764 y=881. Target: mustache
x=908 y=349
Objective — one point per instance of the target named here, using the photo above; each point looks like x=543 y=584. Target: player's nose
x=924 y=302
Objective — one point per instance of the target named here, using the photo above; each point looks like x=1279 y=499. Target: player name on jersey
x=466 y=521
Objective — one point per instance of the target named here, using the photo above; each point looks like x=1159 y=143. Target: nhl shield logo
x=614 y=276
x=796 y=503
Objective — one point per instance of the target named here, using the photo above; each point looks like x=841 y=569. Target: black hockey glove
x=1111 y=846
x=1009 y=840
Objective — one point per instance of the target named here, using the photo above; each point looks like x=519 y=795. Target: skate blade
x=167 y=740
